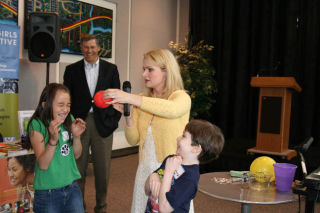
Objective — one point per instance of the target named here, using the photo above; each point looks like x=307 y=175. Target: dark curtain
x=266 y=38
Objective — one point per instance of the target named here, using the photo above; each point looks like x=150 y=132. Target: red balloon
x=99 y=101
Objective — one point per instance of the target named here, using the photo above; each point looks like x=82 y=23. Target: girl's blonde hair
x=164 y=59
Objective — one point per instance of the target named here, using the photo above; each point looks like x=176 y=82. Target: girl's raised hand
x=54 y=130
x=78 y=126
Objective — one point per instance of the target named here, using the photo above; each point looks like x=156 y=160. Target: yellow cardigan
x=169 y=118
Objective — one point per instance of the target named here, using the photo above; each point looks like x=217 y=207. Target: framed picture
x=9 y=12
x=78 y=17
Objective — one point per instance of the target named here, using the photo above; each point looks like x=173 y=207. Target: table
x=238 y=192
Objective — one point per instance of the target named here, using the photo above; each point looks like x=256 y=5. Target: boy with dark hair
x=175 y=183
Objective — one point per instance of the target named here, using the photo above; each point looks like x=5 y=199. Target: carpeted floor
x=120 y=191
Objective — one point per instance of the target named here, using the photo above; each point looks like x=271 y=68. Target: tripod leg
x=310 y=200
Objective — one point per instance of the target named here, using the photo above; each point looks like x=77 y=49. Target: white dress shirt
x=92 y=73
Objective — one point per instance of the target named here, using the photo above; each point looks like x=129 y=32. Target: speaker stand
x=47 y=77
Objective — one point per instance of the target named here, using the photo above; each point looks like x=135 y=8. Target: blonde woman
x=158 y=117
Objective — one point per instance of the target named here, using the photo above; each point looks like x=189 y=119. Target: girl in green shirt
x=54 y=136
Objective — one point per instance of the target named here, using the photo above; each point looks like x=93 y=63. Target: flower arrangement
x=198 y=76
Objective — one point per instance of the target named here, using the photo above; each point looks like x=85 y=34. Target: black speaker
x=44 y=44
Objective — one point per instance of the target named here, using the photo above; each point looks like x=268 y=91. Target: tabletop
x=239 y=192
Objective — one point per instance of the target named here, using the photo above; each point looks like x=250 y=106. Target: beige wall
x=141 y=25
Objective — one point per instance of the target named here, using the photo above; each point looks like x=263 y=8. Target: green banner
x=9 y=116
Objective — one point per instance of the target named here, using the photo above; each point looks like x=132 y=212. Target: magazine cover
x=16 y=183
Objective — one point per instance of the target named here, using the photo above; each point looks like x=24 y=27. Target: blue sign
x=9 y=51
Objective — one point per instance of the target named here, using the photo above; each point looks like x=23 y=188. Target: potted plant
x=198 y=76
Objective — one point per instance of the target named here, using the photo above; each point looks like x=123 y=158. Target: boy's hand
x=173 y=164
x=154 y=184
x=78 y=126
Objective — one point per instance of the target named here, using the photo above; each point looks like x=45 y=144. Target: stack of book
x=11 y=149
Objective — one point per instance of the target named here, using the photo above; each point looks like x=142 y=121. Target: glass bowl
x=259 y=181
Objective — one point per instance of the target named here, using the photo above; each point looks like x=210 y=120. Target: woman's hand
x=117 y=95
x=118 y=107
x=78 y=126
x=121 y=97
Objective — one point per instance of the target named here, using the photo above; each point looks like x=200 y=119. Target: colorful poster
x=77 y=18
x=9 y=51
x=9 y=12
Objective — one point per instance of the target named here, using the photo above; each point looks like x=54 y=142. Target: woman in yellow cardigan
x=158 y=117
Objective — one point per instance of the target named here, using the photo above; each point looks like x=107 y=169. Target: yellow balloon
x=263 y=164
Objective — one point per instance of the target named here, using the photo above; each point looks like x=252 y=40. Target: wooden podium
x=274 y=115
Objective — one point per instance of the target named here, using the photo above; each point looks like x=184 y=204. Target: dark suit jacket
x=106 y=119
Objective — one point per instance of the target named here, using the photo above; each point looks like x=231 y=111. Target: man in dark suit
x=84 y=78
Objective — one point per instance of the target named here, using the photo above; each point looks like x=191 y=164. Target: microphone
x=304 y=146
x=307 y=144
x=126 y=86
x=302 y=149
